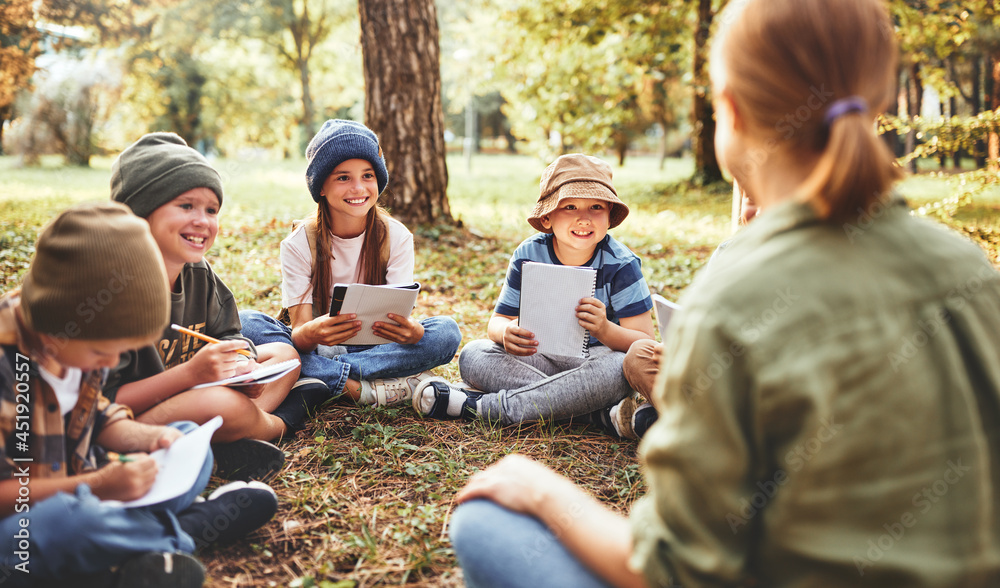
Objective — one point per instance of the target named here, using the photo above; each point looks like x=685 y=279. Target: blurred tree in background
x=66 y=110
x=19 y=45
x=295 y=30
x=595 y=76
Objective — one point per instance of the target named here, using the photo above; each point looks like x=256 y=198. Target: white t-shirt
x=296 y=262
x=67 y=388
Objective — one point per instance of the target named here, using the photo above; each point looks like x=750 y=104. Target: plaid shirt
x=56 y=447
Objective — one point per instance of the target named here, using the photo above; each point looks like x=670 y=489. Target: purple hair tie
x=844 y=106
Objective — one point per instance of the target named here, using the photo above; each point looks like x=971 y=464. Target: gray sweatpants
x=536 y=387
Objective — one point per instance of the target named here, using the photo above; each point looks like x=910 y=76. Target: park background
x=471 y=99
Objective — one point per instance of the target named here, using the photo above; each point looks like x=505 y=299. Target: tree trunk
x=308 y=110
x=994 y=102
x=891 y=138
x=621 y=147
x=661 y=148
x=6 y=113
x=914 y=101
x=401 y=55
x=956 y=158
x=706 y=165
x=511 y=140
x=977 y=106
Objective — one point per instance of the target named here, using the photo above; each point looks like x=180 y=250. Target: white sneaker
x=393 y=391
x=231 y=486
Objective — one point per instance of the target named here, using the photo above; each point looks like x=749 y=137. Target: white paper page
x=373 y=303
x=179 y=466
x=261 y=375
x=664 y=312
x=549 y=297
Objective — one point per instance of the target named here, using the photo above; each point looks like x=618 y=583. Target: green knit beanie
x=97 y=274
x=158 y=168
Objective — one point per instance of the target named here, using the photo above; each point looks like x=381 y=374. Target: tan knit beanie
x=97 y=274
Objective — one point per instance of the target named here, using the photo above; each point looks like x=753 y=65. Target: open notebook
x=373 y=303
x=178 y=466
x=549 y=297
x=664 y=312
x=261 y=375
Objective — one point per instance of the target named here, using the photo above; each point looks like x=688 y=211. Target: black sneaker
x=643 y=418
x=230 y=513
x=160 y=570
x=305 y=397
x=632 y=417
x=247 y=459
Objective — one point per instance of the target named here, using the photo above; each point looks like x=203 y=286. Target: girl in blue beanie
x=351 y=239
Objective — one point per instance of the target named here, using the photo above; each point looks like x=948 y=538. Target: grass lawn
x=367 y=494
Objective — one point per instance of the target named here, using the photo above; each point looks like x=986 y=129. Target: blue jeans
x=498 y=548
x=74 y=535
x=363 y=362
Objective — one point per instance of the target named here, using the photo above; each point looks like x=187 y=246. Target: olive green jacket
x=829 y=412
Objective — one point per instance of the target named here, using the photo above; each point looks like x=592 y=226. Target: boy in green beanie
x=95 y=289
x=179 y=194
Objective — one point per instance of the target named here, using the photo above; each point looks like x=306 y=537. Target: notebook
x=549 y=297
x=261 y=375
x=664 y=311
x=371 y=304
x=178 y=466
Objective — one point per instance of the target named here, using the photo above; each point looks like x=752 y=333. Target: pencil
x=206 y=338
x=119 y=457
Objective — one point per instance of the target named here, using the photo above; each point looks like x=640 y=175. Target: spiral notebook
x=549 y=297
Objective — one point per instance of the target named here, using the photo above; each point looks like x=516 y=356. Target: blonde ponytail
x=855 y=169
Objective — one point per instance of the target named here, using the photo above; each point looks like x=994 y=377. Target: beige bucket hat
x=576 y=176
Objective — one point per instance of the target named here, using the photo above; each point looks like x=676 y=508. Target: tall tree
x=401 y=56
x=294 y=29
x=706 y=165
x=19 y=45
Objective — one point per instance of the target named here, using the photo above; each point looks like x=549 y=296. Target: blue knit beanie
x=335 y=143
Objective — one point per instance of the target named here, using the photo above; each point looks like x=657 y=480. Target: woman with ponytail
x=829 y=393
x=350 y=239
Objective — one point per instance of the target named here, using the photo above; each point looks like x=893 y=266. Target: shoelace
x=393 y=391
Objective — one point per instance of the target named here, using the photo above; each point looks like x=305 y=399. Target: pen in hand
x=119 y=457
x=206 y=338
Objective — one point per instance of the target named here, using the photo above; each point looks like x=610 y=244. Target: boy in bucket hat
x=510 y=381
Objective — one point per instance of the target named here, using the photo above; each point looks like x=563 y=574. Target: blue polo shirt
x=620 y=285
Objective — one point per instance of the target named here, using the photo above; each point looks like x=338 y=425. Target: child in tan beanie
x=179 y=194
x=95 y=289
